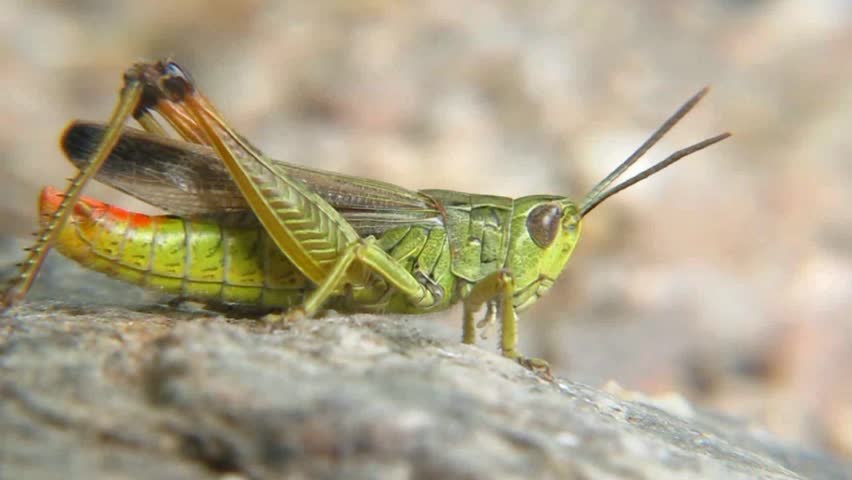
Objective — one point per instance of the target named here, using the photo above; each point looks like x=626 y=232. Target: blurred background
x=727 y=278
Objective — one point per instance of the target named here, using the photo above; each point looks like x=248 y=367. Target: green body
x=230 y=258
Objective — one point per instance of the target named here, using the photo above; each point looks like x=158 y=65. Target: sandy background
x=727 y=278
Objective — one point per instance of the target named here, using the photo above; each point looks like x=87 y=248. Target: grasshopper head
x=545 y=229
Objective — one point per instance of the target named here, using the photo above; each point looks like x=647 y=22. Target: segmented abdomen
x=198 y=259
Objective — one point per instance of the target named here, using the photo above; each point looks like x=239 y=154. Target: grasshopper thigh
x=367 y=253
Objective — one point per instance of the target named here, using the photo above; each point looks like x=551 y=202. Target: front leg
x=499 y=287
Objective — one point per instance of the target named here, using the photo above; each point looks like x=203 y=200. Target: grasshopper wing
x=188 y=179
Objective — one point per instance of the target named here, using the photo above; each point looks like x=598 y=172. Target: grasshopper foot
x=538 y=366
x=277 y=320
x=272 y=321
x=293 y=315
x=8 y=299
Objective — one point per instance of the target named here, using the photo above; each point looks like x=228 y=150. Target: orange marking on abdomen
x=88 y=208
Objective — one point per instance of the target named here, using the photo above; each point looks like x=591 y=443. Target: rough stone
x=155 y=392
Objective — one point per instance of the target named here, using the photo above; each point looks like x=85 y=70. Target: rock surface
x=726 y=278
x=98 y=391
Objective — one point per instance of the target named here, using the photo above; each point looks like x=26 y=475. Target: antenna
x=600 y=193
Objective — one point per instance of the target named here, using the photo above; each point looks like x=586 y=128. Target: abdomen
x=198 y=259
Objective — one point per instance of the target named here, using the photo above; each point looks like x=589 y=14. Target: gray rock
x=98 y=391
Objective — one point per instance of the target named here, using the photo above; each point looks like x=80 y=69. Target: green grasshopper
x=249 y=230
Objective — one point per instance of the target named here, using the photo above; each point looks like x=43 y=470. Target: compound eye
x=172 y=69
x=175 y=81
x=543 y=224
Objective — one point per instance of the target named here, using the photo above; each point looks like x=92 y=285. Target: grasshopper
x=245 y=229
